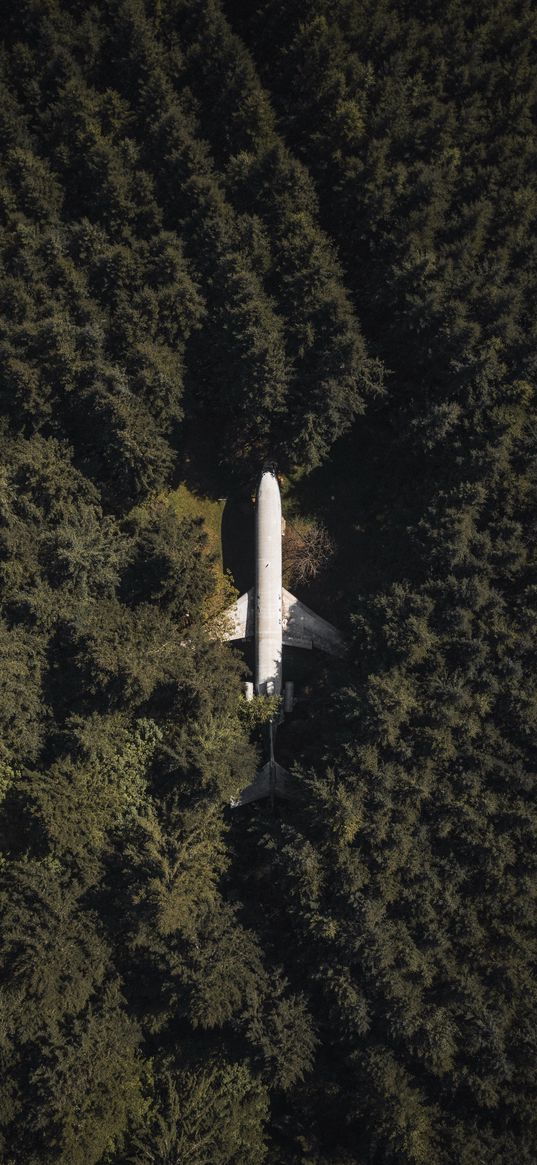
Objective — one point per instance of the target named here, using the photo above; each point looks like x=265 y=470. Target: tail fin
x=272 y=780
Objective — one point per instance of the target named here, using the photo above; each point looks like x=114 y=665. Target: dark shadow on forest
x=200 y=467
x=368 y=499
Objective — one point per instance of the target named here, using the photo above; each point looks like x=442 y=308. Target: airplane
x=275 y=619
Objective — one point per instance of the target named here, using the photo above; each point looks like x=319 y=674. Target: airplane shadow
x=238 y=541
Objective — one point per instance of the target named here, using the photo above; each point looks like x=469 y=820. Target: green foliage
x=260 y=710
x=303 y=230
x=214 y=1113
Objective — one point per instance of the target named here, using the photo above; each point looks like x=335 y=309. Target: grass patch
x=190 y=505
x=187 y=504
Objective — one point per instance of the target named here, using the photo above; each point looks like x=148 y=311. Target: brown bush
x=307 y=547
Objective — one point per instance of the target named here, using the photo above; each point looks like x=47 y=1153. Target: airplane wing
x=303 y=628
x=239 y=618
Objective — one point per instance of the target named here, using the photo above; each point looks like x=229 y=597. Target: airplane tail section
x=259 y=788
x=272 y=781
x=285 y=785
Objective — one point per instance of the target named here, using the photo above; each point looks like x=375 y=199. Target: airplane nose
x=269 y=490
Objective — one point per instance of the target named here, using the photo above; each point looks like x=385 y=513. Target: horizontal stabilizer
x=280 y=782
x=303 y=628
x=286 y=786
x=239 y=619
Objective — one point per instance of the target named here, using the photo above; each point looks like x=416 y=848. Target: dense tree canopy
x=304 y=229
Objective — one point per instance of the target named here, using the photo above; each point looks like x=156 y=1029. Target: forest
x=304 y=230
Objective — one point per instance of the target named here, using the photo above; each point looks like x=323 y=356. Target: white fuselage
x=268 y=587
